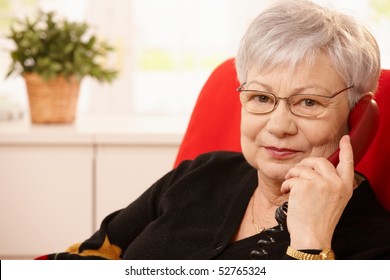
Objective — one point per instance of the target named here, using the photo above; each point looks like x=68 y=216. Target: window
x=165 y=50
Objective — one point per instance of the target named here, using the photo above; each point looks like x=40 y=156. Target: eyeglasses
x=303 y=105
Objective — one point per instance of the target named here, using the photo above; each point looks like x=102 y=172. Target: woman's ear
x=369 y=93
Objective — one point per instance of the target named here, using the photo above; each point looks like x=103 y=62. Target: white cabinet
x=45 y=194
x=57 y=183
x=125 y=172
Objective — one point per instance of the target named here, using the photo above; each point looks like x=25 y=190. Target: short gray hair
x=292 y=31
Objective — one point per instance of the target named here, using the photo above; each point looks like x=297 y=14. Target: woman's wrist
x=310 y=241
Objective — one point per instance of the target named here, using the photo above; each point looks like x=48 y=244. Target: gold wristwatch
x=326 y=254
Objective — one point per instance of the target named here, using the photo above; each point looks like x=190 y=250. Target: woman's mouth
x=280 y=153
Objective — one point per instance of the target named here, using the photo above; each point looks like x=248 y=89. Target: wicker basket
x=53 y=101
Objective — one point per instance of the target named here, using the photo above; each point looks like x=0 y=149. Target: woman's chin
x=274 y=171
x=271 y=168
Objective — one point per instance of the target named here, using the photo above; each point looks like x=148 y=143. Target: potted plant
x=54 y=55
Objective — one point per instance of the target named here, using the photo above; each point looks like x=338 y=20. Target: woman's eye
x=306 y=101
x=309 y=102
x=262 y=98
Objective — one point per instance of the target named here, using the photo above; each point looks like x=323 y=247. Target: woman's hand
x=318 y=194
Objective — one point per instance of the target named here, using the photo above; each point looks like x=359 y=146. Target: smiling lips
x=278 y=153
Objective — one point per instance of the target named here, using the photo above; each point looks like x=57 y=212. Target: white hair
x=290 y=32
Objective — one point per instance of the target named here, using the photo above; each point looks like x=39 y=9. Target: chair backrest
x=215 y=125
x=215 y=121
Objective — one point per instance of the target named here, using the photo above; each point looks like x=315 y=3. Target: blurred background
x=164 y=49
x=57 y=182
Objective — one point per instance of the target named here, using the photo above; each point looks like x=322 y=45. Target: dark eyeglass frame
x=241 y=89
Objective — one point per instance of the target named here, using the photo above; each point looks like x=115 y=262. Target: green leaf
x=50 y=46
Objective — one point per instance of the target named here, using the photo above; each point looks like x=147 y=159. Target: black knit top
x=194 y=211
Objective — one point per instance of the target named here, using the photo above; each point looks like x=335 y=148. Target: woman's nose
x=281 y=121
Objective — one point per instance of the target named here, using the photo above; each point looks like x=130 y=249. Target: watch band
x=326 y=254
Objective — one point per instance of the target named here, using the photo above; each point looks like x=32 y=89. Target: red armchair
x=215 y=125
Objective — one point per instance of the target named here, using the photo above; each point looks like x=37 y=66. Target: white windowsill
x=97 y=129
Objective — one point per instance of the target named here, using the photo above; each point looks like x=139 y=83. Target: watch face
x=327 y=254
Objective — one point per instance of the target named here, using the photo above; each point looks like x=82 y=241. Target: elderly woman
x=302 y=68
